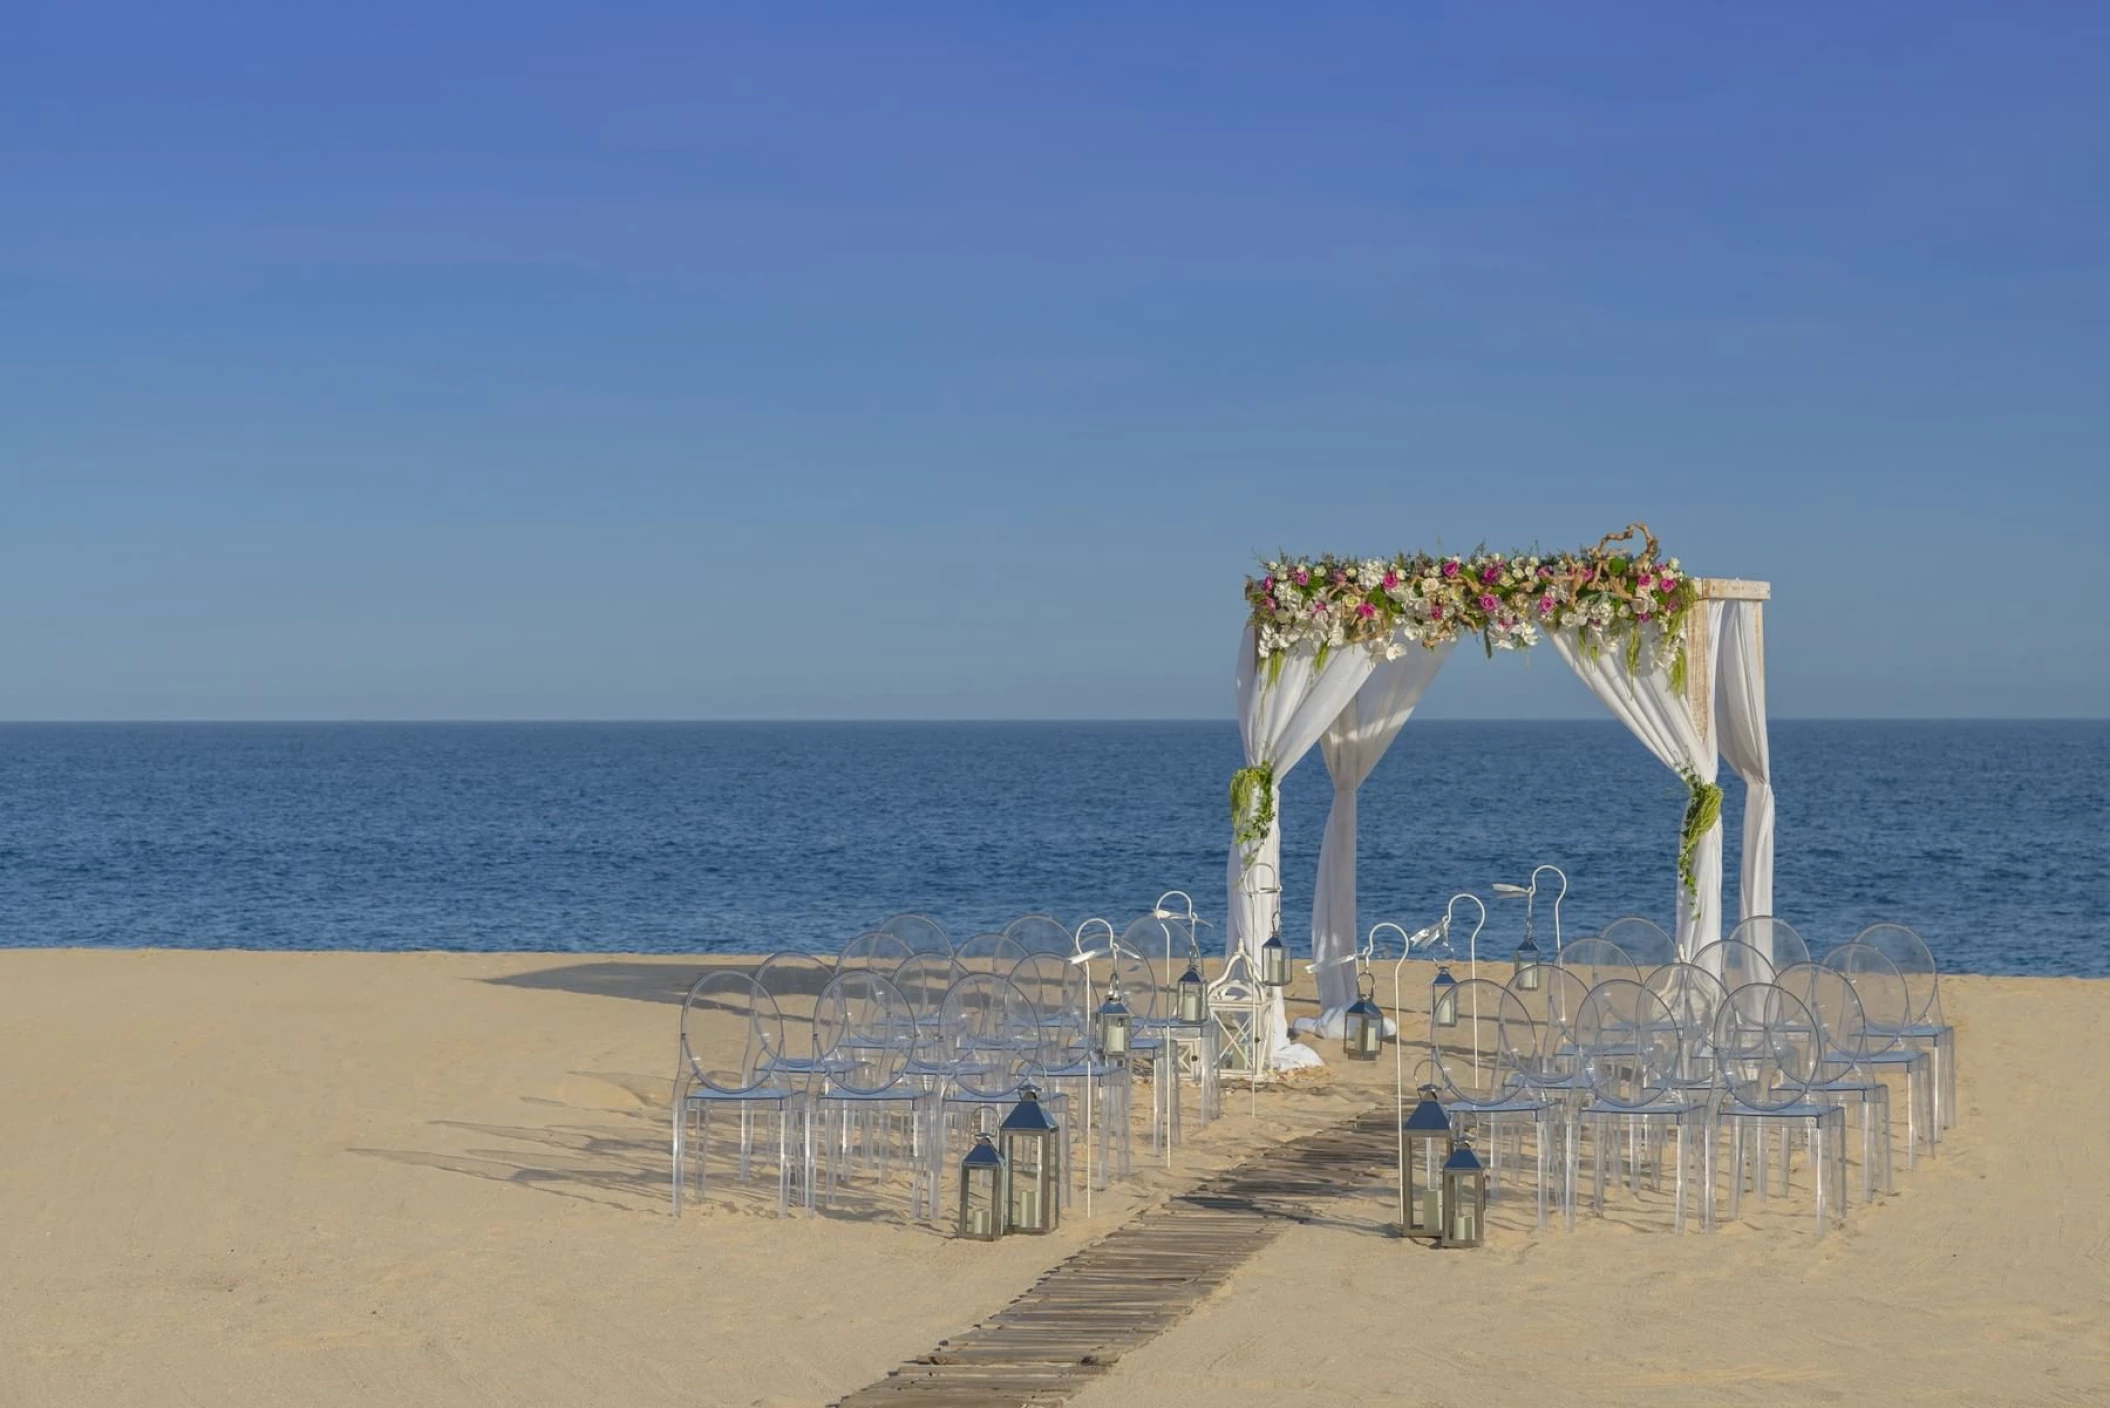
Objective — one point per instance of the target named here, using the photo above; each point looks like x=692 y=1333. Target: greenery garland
x=1703 y=810
x=1252 y=804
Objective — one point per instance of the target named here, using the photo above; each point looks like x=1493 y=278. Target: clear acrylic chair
x=876 y=950
x=1886 y=1007
x=1090 y=1084
x=923 y=979
x=1039 y=933
x=869 y=1113
x=1635 y=1059
x=1642 y=940
x=1735 y=962
x=1483 y=1064
x=920 y=932
x=989 y=953
x=731 y=1034
x=1928 y=1028
x=1843 y=1076
x=1776 y=940
x=1769 y=1047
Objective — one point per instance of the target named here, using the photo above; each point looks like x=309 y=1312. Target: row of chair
x=1594 y=1048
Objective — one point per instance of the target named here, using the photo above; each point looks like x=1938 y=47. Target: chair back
x=730 y=1032
x=1138 y=971
x=1554 y=1006
x=1039 y=933
x=1598 y=960
x=862 y=1027
x=992 y=1034
x=1828 y=994
x=1776 y=940
x=1914 y=960
x=1694 y=998
x=922 y=981
x=1734 y=962
x=794 y=981
x=1155 y=940
x=1643 y=941
x=1769 y=1045
x=876 y=949
x=920 y=932
x=1886 y=998
x=990 y=953
x=1630 y=1046
x=1481 y=1058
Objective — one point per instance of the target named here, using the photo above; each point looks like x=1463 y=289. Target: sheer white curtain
x=1352 y=744
x=1645 y=701
x=1740 y=711
x=1280 y=718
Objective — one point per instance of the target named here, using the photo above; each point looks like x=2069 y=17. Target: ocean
x=1987 y=837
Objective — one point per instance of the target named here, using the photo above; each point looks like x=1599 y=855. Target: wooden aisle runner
x=1131 y=1287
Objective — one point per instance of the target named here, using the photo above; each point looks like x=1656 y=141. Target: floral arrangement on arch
x=1609 y=594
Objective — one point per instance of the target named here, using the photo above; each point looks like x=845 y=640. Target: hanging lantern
x=1113 y=1024
x=1274 y=959
x=1193 y=997
x=1032 y=1147
x=1464 y=1195
x=982 y=1192
x=1363 y=1026
x=1443 y=997
x=1425 y=1147
x=1527 y=977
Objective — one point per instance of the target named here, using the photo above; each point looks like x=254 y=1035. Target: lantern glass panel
x=1114 y=1025
x=1443 y=999
x=982 y=1192
x=1363 y=1030
x=1193 y=998
x=1274 y=964
x=1528 y=976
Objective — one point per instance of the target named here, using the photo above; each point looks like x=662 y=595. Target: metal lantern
x=1032 y=1150
x=1464 y=1196
x=982 y=1192
x=1193 y=997
x=1425 y=1148
x=1113 y=1024
x=1443 y=997
x=1527 y=977
x=1363 y=1027
x=1274 y=959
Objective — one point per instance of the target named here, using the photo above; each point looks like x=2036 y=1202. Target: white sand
x=236 y=1179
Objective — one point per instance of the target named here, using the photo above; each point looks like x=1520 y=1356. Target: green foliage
x=1252 y=804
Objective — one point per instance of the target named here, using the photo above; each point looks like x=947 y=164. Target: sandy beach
x=247 y=1179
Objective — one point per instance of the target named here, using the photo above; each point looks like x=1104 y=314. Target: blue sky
x=856 y=361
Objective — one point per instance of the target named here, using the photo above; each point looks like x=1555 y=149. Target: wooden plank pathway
x=1131 y=1286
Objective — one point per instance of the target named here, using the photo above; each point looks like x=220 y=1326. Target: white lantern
x=1193 y=1004
x=1114 y=1022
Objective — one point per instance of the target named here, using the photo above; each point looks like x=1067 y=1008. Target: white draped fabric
x=1280 y=719
x=1353 y=743
x=1656 y=713
x=1740 y=713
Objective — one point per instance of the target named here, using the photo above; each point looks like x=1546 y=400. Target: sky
x=834 y=361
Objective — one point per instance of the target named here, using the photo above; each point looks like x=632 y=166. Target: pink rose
x=1271 y=605
x=1436 y=613
x=1450 y=569
x=1318 y=608
x=1366 y=611
x=1647 y=581
x=1267 y=583
x=1488 y=603
x=1490 y=575
x=1303 y=577
x=1640 y=615
x=1546 y=604
x=1391 y=580
x=1340 y=579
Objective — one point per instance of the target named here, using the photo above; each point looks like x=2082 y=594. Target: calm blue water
x=1988 y=837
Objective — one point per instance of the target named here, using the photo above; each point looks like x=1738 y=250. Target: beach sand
x=251 y=1178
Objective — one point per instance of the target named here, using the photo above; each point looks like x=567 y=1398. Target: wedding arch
x=1337 y=653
